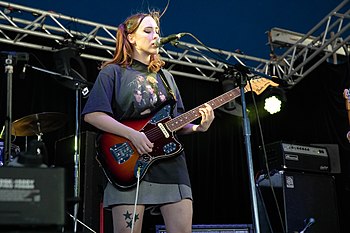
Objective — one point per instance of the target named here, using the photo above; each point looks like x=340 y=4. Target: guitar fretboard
x=257 y=85
x=187 y=117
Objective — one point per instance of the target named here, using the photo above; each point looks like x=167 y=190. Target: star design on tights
x=128 y=224
x=127 y=216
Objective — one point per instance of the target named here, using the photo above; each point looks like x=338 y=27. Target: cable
x=266 y=160
x=309 y=222
x=218 y=56
x=136 y=199
x=76 y=219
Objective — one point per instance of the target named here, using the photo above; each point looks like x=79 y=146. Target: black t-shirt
x=132 y=93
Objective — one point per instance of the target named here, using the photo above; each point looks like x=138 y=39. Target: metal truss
x=329 y=39
x=50 y=31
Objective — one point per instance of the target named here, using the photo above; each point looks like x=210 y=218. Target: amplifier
x=290 y=156
x=297 y=198
x=31 y=196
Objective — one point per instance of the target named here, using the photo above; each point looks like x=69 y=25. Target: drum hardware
x=15 y=150
x=38 y=124
x=31 y=125
x=37 y=127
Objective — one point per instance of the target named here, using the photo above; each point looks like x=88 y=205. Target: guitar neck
x=187 y=117
x=257 y=86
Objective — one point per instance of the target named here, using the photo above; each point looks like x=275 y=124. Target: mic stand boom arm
x=249 y=70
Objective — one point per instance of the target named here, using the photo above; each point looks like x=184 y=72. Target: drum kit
x=40 y=123
x=33 y=125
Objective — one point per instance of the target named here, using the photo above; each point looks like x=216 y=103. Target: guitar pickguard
x=160 y=115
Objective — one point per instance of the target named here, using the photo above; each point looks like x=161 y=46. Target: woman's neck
x=145 y=59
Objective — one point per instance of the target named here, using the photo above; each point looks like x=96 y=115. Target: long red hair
x=123 y=50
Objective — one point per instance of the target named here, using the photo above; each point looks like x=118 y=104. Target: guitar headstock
x=259 y=85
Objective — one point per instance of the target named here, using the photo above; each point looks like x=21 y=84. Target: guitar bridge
x=121 y=152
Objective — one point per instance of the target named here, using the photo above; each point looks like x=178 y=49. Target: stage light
x=274 y=99
x=273 y=105
x=270 y=102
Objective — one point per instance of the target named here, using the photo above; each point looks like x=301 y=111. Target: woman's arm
x=108 y=124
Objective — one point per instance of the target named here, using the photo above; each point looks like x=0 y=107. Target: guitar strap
x=164 y=79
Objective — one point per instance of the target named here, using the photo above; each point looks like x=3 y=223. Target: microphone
x=164 y=40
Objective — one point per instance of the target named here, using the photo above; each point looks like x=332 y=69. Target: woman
x=137 y=68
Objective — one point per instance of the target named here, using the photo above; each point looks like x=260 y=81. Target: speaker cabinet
x=31 y=199
x=90 y=179
x=301 y=198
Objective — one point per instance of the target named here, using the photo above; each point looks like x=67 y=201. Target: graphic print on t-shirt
x=147 y=93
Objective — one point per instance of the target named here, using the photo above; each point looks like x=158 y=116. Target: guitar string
x=153 y=134
x=156 y=133
x=223 y=99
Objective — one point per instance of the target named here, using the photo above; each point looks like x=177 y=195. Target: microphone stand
x=11 y=59
x=78 y=86
x=242 y=76
x=8 y=121
x=243 y=72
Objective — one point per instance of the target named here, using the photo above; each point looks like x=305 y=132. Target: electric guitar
x=347 y=105
x=119 y=158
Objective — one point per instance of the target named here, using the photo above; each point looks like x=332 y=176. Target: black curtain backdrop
x=217 y=160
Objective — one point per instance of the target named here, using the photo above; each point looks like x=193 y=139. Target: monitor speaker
x=32 y=199
x=91 y=180
x=303 y=199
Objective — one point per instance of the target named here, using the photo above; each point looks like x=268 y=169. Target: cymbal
x=39 y=123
